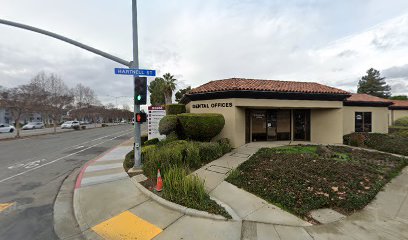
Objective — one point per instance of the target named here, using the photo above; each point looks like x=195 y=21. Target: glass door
x=301 y=125
x=258 y=125
x=271 y=122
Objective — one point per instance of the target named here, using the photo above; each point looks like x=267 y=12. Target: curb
x=175 y=206
x=65 y=223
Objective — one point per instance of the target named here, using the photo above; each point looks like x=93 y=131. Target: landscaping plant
x=188 y=190
x=201 y=127
x=392 y=143
x=303 y=178
x=174 y=109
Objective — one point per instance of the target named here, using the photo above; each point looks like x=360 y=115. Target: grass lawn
x=302 y=178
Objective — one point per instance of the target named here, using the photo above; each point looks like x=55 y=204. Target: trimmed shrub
x=403 y=122
x=152 y=141
x=174 y=109
x=201 y=126
x=391 y=143
x=168 y=124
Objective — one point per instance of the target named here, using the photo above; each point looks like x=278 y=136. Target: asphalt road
x=33 y=169
x=24 y=133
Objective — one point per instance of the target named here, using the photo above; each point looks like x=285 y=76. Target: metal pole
x=135 y=64
x=65 y=39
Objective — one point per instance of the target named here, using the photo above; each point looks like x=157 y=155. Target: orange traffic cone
x=159 y=185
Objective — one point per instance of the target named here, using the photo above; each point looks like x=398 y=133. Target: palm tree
x=168 y=87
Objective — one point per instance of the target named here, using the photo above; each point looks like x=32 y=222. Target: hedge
x=168 y=124
x=174 y=109
x=201 y=127
x=403 y=122
x=391 y=143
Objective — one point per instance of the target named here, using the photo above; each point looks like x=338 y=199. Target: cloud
x=396 y=72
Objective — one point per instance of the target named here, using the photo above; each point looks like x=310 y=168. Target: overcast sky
x=331 y=42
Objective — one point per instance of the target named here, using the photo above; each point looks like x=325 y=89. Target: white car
x=6 y=128
x=33 y=125
x=70 y=124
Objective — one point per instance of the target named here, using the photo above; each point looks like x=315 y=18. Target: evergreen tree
x=374 y=84
x=399 y=97
x=180 y=93
x=156 y=89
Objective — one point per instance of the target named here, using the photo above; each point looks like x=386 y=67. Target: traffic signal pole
x=136 y=109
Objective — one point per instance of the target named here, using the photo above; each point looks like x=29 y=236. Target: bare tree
x=59 y=96
x=84 y=96
x=22 y=100
x=125 y=107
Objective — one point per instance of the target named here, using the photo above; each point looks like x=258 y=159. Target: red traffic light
x=141 y=117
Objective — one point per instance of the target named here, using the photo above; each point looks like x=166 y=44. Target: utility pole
x=136 y=108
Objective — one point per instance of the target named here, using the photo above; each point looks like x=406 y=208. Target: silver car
x=6 y=128
x=33 y=125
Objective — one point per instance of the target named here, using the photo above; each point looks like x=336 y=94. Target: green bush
x=201 y=126
x=152 y=141
x=129 y=160
x=209 y=151
x=225 y=145
x=403 y=122
x=189 y=191
x=168 y=124
x=392 y=143
x=163 y=157
x=174 y=109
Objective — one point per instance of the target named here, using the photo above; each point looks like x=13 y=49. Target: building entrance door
x=301 y=125
x=270 y=125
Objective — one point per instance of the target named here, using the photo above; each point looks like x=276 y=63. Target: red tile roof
x=360 y=97
x=400 y=103
x=242 y=84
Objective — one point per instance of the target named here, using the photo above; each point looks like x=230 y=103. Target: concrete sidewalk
x=108 y=205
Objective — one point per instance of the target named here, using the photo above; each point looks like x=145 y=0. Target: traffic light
x=141 y=117
x=140 y=90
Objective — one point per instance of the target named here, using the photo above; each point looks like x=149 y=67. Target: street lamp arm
x=68 y=40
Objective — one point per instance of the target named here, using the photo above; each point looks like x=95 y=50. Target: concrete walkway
x=114 y=208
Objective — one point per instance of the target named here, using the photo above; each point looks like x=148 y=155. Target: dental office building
x=269 y=110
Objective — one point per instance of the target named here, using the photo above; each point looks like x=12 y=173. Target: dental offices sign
x=212 y=105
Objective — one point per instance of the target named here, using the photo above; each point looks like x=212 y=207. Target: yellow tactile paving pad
x=126 y=226
x=4 y=206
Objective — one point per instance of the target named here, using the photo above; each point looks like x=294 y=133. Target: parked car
x=6 y=128
x=33 y=125
x=70 y=124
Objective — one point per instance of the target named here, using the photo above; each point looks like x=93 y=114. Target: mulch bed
x=300 y=179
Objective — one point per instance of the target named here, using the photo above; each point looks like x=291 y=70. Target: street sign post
x=135 y=72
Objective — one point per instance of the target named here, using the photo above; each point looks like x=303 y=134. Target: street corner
x=127 y=226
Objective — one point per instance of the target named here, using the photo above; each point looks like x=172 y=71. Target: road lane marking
x=127 y=226
x=4 y=206
x=58 y=159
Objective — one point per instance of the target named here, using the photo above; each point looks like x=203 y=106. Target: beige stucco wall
x=379 y=118
x=326 y=116
x=396 y=114
x=268 y=103
x=326 y=126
